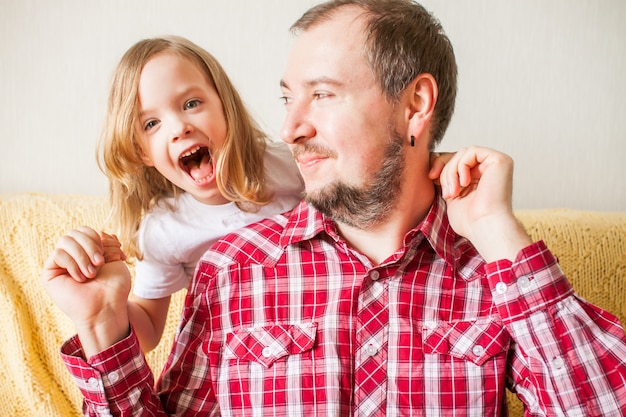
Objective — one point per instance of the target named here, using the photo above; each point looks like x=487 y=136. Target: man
x=377 y=295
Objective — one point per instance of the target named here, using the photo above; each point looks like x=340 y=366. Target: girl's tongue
x=198 y=163
x=201 y=169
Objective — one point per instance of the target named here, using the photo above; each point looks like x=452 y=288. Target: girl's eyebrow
x=187 y=91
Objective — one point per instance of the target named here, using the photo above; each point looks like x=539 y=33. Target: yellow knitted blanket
x=33 y=380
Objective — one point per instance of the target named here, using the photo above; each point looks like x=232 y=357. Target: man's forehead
x=328 y=40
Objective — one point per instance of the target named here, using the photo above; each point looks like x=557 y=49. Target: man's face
x=339 y=125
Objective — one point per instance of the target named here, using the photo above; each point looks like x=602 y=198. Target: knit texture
x=33 y=379
x=591 y=247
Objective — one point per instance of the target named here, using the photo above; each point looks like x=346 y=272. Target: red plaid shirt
x=284 y=319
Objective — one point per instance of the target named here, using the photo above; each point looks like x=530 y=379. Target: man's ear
x=422 y=97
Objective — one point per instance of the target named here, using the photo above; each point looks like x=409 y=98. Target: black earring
x=412 y=140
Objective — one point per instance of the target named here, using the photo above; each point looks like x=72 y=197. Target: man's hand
x=82 y=252
x=86 y=277
x=477 y=186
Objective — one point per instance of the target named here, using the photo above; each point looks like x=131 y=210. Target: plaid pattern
x=284 y=319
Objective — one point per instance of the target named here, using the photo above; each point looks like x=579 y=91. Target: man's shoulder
x=258 y=242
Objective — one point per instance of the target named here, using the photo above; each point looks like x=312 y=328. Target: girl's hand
x=477 y=186
x=438 y=161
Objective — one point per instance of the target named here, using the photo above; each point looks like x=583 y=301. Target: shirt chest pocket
x=265 y=345
x=473 y=341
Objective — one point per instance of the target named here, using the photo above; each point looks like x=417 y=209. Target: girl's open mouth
x=197 y=163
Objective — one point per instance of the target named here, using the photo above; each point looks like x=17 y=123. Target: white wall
x=542 y=80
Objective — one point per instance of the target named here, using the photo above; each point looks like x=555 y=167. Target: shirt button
x=114 y=377
x=478 y=350
x=523 y=282
x=430 y=324
x=371 y=350
x=92 y=382
x=374 y=275
x=103 y=411
x=267 y=352
x=501 y=288
x=558 y=363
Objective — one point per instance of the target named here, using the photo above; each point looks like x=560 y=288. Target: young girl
x=186 y=164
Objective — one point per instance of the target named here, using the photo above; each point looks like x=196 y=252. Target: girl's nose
x=180 y=129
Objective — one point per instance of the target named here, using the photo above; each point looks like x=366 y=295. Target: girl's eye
x=150 y=124
x=191 y=104
x=285 y=99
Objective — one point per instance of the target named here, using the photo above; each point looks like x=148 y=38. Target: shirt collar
x=454 y=249
x=437 y=230
x=305 y=222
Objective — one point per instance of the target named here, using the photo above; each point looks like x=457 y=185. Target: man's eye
x=191 y=104
x=150 y=124
x=321 y=95
x=285 y=99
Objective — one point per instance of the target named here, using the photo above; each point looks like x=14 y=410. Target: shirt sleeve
x=119 y=382
x=158 y=279
x=115 y=382
x=567 y=354
x=161 y=272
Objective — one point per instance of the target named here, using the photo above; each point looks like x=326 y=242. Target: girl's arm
x=148 y=316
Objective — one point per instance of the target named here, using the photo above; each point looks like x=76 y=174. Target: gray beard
x=369 y=204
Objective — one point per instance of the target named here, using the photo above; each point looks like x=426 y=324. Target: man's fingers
x=90 y=242
x=79 y=252
x=60 y=262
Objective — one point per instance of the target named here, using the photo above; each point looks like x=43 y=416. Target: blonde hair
x=134 y=187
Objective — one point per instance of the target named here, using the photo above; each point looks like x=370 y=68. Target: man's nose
x=297 y=126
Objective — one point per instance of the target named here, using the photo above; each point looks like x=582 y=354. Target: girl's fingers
x=438 y=161
x=461 y=173
x=109 y=240
x=112 y=248
x=466 y=165
x=450 y=176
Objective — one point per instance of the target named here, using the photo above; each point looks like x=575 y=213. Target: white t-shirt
x=172 y=241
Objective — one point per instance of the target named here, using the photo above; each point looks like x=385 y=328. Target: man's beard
x=371 y=203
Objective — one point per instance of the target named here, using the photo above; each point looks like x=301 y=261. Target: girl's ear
x=422 y=98
x=147 y=161
x=144 y=158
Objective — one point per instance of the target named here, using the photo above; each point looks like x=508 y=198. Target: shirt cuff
x=110 y=374
x=533 y=282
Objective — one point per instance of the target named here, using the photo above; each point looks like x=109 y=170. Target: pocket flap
x=475 y=341
x=267 y=344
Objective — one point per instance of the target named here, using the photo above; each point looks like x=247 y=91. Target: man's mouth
x=309 y=154
x=197 y=163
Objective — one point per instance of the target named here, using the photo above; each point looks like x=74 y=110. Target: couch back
x=591 y=247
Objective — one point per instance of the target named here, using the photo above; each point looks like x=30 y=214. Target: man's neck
x=380 y=241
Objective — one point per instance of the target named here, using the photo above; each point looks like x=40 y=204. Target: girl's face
x=181 y=124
